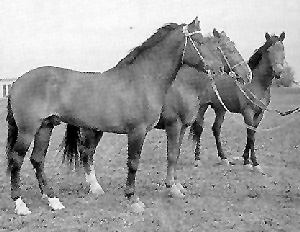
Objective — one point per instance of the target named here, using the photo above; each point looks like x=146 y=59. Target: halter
x=232 y=73
x=188 y=36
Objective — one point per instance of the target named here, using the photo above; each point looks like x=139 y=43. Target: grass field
x=218 y=198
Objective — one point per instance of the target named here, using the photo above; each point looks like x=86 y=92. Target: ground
x=218 y=198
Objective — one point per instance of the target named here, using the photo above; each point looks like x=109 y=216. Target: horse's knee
x=35 y=162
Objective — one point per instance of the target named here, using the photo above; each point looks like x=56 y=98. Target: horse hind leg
x=16 y=151
x=90 y=140
x=41 y=143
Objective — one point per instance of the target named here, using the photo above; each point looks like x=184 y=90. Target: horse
x=123 y=100
x=249 y=100
x=179 y=111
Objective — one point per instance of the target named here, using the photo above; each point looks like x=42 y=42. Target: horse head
x=234 y=62
x=276 y=54
x=196 y=52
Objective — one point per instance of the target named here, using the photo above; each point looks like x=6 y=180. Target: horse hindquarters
x=24 y=125
x=18 y=143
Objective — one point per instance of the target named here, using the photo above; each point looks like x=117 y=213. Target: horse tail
x=12 y=135
x=70 y=146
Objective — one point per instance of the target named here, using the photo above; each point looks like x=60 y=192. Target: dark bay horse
x=179 y=111
x=250 y=100
x=125 y=100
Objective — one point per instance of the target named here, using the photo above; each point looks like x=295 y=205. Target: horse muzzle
x=277 y=70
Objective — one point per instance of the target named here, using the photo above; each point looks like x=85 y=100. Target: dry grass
x=219 y=198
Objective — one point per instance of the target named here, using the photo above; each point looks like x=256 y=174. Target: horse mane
x=255 y=58
x=156 y=38
x=257 y=55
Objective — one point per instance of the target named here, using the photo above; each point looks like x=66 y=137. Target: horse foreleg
x=256 y=120
x=196 y=130
x=90 y=141
x=248 y=119
x=37 y=160
x=175 y=132
x=136 y=139
x=216 y=129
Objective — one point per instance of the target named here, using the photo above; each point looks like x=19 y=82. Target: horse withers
x=42 y=98
x=250 y=100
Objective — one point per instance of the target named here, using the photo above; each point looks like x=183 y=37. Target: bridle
x=188 y=37
x=232 y=73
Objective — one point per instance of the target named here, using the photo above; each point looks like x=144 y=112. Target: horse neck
x=262 y=74
x=165 y=59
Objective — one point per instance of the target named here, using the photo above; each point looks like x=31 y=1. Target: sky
x=93 y=35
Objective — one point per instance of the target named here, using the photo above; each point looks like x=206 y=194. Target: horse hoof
x=21 y=208
x=55 y=204
x=258 y=169
x=237 y=158
x=180 y=187
x=197 y=163
x=225 y=162
x=22 y=211
x=249 y=167
x=138 y=206
x=175 y=191
x=97 y=191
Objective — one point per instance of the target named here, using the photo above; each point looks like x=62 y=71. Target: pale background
x=93 y=35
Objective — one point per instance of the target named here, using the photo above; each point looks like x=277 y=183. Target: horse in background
x=180 y=109
x=42 y=98
x=250 y=100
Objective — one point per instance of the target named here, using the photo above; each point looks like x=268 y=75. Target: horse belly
x=113 y=113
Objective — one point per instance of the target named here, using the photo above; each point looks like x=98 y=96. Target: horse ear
x=196 y=22
x=282 y=36
x=216 y=33
x=267 y=36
